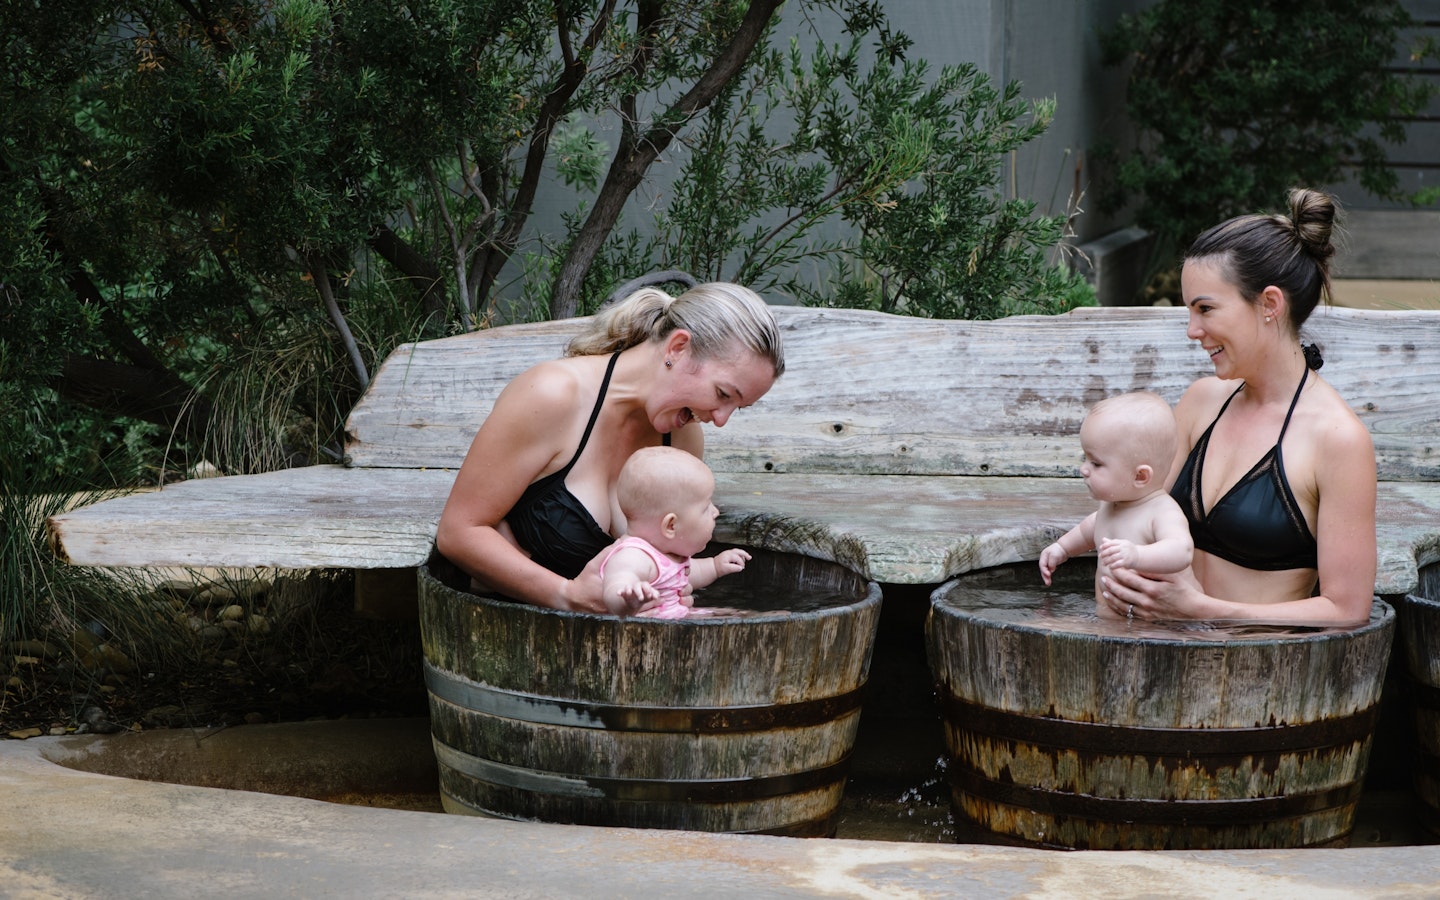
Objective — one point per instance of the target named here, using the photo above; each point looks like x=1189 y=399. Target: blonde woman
x=534 y=501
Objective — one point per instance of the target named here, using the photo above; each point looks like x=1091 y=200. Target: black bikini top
x=550 y=522
x=1256 y=524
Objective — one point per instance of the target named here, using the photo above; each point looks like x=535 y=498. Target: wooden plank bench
x=911 y=450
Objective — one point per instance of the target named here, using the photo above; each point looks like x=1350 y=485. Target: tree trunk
x=422 y=274
x=636 y=154
x=551 y=111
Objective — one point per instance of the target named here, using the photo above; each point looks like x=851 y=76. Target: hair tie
x=1313 y=359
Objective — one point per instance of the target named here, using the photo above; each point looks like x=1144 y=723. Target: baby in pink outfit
x=666 y=495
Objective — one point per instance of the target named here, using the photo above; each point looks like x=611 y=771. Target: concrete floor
x=66 y=833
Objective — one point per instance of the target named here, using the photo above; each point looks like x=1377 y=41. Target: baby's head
x=665 y=494
x=1129 y=443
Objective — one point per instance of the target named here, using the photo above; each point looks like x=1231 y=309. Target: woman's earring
x=671 y=362
x=1267 y=320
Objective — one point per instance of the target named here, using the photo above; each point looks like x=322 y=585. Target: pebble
x=96 y=720
x=215 y=595
x=232 y=613
x=24 y=733
x=258 y=624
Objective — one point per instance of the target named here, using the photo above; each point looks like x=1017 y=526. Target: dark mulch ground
x=325 y=662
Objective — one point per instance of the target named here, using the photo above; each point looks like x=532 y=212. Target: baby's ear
x=1143 y=475
x=668 y=523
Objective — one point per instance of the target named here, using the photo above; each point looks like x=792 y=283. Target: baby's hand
x=1119 y=554
x=636 y=594
x=731 y=561
x=1051 y=558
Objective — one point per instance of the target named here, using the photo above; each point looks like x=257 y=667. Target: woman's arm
x=1345 y=523
x=519 y=440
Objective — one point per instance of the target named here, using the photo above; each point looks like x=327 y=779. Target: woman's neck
x=1280 y=370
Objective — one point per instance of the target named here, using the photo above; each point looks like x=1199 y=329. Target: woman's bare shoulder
x=1337 y=422
x=1202 y=400
x=553 y=385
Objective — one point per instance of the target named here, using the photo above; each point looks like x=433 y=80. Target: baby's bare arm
x=626 y=587
x=1171 y=551
x=704 y=572
x=1080 y=539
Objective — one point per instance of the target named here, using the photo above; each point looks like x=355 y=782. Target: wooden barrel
x=1065 y=730
x=733 y=723
x=1420 y=640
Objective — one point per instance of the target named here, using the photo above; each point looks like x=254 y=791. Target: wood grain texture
x=1150 y=742
x=890 y=528
x=910 y=449
x=870 y=393
x=587 y=719
x=1420 y=642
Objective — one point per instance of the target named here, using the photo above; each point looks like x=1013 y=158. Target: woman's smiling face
x=709 y=390
x=1223 y=321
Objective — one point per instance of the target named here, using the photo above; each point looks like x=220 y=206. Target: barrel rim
x=872 y=598
x=1421 y=600
x=1382 y=617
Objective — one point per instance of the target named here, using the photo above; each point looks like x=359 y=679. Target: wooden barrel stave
x=1420 y=640
x=1060 y=738
x=739 y=724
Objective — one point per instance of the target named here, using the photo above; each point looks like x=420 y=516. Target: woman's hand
x=586 y=591
x=1170 y=596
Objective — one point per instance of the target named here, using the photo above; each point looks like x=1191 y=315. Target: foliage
x=218 y=218
x=1238 y=103
x=878 y=190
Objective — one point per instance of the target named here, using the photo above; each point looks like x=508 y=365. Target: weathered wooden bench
x=910 y=450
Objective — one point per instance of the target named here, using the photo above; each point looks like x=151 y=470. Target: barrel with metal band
x=1420 y=638
x=1063 y=732
x=736 y=724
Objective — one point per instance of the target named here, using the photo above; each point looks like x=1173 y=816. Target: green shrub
x=1235 y=103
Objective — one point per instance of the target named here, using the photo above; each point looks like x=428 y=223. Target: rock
x=232 y=626
x=83 y=640
x=258 y=624
x=14 y=681
x=212 y=633
x=232 y=613
x=24 y=733
x=215 y=595
x=56 y=730
x=204 y=469
x=114 y=660
x=41 y=649
x=95 y=720
x=175 y=588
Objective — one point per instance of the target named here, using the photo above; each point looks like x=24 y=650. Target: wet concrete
x=70 y=833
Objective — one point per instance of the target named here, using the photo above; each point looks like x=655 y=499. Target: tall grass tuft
x=281 y=400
